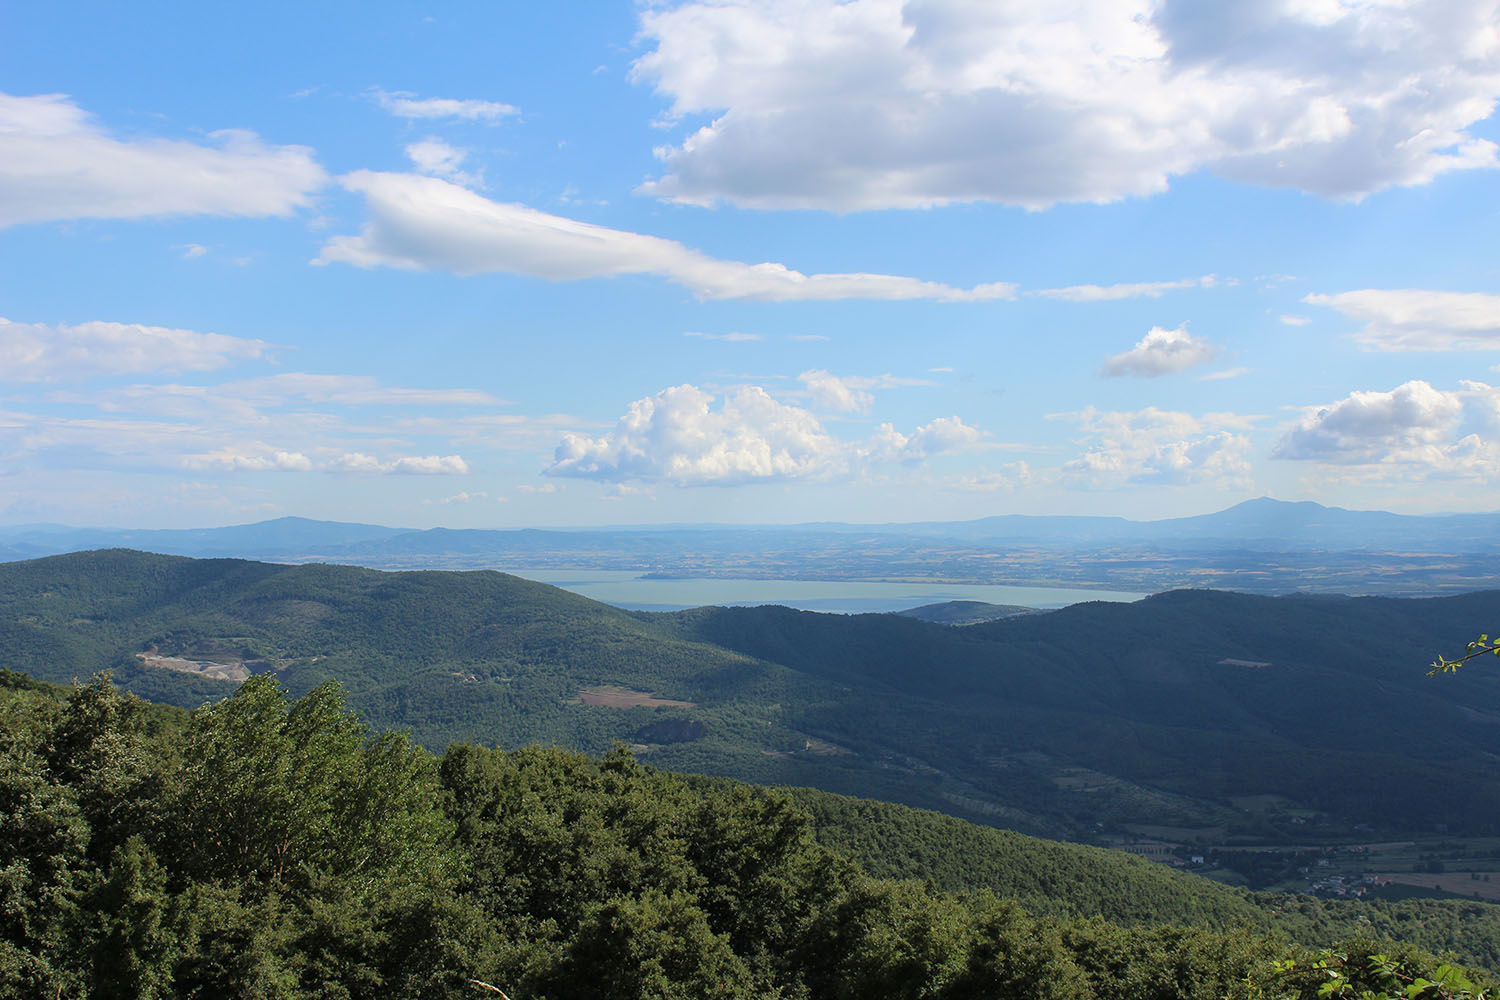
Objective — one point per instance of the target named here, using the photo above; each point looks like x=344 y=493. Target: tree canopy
x=263 y=847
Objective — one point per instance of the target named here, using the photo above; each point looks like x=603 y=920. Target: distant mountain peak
x=1271 y=503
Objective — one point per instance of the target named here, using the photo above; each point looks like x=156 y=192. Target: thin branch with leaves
x=1478 y=647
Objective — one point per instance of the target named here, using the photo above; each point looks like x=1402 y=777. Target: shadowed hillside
x=1097 y=721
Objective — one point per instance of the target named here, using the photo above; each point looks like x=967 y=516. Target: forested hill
x=261 y=848
x=1094 y=722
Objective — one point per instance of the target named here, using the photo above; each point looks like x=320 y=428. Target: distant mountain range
x=1264 y=546
x=1263 y=523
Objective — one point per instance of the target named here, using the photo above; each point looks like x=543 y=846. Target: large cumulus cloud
x=678 y=437
x=870 y=104
x=1412 y=432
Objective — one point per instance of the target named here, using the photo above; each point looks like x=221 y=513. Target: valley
x=1248 y=730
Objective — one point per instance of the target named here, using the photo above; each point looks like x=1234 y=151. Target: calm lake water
x=626 y=589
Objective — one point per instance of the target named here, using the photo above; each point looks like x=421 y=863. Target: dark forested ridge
x=1102 y=722
x=264 y=848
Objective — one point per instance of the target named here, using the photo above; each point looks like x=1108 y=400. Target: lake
x=626 y=589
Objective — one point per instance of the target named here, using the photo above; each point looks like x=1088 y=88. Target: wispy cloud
x=56 y=163
x=38 y=352
x=850 y=393
x=1132 y=290
x=244 y=397
x=436 y=158
x=1157 y=446
x=354 y=463
x=404 y=465
x=732 y=338
x=424 y=223
x=1407 y=319
x=405 y=104
x=1227 y=373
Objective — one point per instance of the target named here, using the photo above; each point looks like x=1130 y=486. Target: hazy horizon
x=668 y=525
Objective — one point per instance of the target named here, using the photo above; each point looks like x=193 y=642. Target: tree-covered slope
x=1200 y=694
x=263 y=848
x=1100 y=720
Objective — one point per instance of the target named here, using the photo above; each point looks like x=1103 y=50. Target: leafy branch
x=1478 y=647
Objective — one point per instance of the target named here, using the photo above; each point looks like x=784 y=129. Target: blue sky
x=494 y=265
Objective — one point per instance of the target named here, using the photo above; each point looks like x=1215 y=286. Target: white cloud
x=251 y=399
x=262 y=459
x=1162 y=352
x=491 y=431
x=1295 y=320
x=56 y=163
x=543 y=489
x=1225 y=374
x=406 y=465
x=35 y=352
x=428 y=465
x=849 y=393
x=436 y=158
x=945 y=434
x=829 y=392
x=289 y=422
x=191 y=250
x=423 y=223
x=677 y=437
x=1158 y=446
x=1412 y=432
x=732 y=338
x=404 y=104
x=466 y=497
x=1370 y=425
x=1134 y=290
x=868 y=104
x=234 y=461
x=1418 y=320
x=350 y=390
x=1010 y=477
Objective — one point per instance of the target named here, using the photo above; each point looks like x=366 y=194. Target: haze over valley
x=1260 y=546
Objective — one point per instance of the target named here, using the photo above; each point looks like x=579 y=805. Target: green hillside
x=1075 y=881
x=1167 y=708
x=273 y=849
x=1101 y=722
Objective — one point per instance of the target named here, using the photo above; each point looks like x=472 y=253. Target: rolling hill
x=1096 y=722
